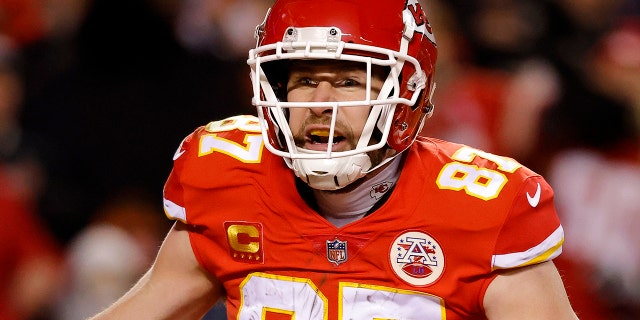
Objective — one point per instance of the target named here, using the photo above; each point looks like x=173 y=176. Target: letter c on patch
x=244 y=238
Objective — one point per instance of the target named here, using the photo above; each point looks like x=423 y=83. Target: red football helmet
x=394 y=34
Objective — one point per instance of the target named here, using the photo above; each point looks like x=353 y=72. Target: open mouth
x=318 y=139
x=321 y=136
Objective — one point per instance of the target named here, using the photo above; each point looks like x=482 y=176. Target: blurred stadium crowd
x=95 y=95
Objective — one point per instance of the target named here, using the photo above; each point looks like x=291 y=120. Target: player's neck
x=340 y=207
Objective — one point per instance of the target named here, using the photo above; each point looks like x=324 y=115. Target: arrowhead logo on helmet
x=420 y=18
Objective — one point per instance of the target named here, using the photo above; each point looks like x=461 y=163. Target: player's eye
x=350 y=83
x=307 y=82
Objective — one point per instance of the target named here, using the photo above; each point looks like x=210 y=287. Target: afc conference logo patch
x=336 y=251
x=417 y=258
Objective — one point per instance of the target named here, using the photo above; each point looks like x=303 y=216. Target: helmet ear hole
x=420 y=102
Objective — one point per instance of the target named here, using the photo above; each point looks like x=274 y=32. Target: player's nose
x=324 y=92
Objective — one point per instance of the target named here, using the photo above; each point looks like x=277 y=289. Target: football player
x=363 y=219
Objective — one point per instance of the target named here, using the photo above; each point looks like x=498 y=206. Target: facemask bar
x=382 y=107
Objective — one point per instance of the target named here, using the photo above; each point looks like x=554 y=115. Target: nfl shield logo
x=337 y=251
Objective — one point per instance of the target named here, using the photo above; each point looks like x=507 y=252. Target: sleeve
x=532 y=232
x=173 y=193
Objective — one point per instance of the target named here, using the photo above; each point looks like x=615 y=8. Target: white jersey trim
x=548 y=249
x=174 y=211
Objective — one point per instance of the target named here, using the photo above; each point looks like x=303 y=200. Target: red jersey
x=455 y=216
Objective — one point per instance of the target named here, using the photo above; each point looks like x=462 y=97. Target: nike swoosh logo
x=179 y=151
x=533 y=201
